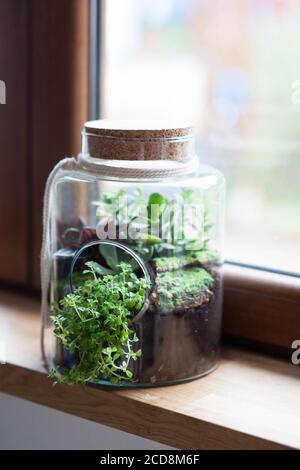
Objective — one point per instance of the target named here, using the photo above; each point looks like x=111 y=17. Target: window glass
x=233 y=68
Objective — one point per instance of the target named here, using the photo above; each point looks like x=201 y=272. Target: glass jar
x=131 y=258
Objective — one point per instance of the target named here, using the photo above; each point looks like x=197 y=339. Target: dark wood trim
x=29 y=169
x=44 y=62
x=60 y=78
x=262 y=308
x=13 y=141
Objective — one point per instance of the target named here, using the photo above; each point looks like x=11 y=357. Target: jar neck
x=140 y=170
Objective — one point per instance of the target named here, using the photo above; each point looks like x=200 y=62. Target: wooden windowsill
x=249 y=402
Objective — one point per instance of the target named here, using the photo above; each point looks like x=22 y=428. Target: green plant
x=159 y=224
x=94 y=323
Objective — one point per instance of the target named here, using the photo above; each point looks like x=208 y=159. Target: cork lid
x=138 y=140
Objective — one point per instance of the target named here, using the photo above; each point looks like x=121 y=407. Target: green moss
x=195 y=258
x=183 y=288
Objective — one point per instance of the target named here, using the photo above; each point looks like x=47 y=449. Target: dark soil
x=181 y=345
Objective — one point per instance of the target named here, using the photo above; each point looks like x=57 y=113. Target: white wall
x=25 y=425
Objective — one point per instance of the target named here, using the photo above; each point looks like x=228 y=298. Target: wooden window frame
x=45 y=63
x=261 y=308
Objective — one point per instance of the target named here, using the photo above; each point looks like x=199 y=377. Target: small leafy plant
x=160 y=226
x=94 y=323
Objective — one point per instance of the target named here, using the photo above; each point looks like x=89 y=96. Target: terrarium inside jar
x=132 y=258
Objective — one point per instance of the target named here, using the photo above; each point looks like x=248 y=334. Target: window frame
x=261 y=308
x=41 y=122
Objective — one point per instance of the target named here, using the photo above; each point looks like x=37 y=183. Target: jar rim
x=139 y=129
